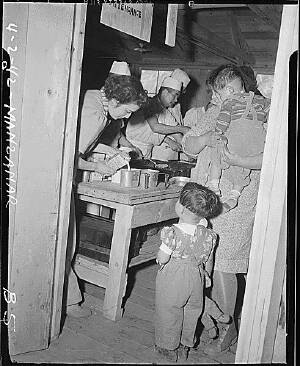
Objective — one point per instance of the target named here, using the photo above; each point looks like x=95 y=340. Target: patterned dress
x=233 y=227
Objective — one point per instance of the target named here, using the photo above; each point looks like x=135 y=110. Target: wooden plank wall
x=41 y=98
x=267 y=262
x=68 y=164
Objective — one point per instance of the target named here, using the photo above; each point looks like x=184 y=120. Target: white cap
x=172 y=83
x=120 y=68
x=182 y=76
x=265 y=84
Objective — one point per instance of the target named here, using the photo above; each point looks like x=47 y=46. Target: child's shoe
x=170 y=355
x=183 y=352
x=231 y=201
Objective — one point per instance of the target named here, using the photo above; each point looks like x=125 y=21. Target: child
x=186 y=247
x=241 y=120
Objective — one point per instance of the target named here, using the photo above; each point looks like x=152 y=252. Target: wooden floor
x=97 y=340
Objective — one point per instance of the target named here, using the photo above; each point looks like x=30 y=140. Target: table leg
x=118 y=261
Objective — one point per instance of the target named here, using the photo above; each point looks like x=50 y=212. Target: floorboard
x=130 y=340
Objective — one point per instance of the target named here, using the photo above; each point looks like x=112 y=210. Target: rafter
x=237 y=35
x=217 y=45
x=270 y=14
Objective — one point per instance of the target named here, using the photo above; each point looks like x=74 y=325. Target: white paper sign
x=133 y=19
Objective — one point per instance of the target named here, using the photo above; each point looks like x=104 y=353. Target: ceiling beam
x=208 y=40
x=237 y=35
x=270 y=14
x=261 y=35
x=210 y=6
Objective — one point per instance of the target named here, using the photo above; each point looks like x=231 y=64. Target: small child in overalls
x=241 y=125
x=187 y=247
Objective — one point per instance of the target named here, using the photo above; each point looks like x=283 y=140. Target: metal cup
x=149 y=178
x=130 y=178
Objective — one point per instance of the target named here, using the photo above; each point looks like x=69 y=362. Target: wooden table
x=134 y=207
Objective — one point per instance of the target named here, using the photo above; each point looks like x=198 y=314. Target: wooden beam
x=68 y=163
x=212 y=6
x=236 y=33
x=260 y=35
x=217 y=45
x=266 y=262
x=171 y=25
x=270 y=14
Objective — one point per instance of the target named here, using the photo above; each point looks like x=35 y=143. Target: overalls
x=178 y=300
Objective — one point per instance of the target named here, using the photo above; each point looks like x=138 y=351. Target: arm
x=248 y=162
x=195 y=144
x=165 y=129
x=99 y=167
x=124 y=142
x=174 y=145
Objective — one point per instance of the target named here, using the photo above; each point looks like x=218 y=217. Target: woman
x=234 y=227
x=102 y=109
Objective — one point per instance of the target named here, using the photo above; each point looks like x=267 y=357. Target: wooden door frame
x=44 y=105
x=267 y=262
x=68 y=164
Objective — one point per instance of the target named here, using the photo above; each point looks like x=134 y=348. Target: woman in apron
x=234 y=228
x=102 y=110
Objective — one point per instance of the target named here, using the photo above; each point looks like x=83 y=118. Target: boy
x=185 y=250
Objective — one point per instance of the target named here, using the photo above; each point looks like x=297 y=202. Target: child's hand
x=212 y=138
x=161 y=265
x=207 y=279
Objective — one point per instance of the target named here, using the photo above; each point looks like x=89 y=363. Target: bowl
x=179 y=181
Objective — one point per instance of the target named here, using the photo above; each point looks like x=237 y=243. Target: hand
x=207 y=279
x=104 y=169
x=174 y=145
x=212 y=138
x=124 y=154
x=228 y=157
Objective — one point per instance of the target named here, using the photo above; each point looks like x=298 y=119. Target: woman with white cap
x=145 y=128
x=172 y=116
x=120 y=96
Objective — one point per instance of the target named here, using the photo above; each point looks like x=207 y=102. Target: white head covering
x=265 y=84
x=172 y=83
x=120 y=68
x=182 y=76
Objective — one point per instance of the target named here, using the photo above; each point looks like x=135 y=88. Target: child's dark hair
x=125 y=89
x=200 y=200
x=223 y=75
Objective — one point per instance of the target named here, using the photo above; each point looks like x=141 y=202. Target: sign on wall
x=133 y=19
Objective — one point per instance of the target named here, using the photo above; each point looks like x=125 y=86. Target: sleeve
x=224 y=117
x=93 y=119
x=190 y=120
x=210 y=240
x=167 y=236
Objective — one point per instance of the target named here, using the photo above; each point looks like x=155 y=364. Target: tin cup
x=149 y=178
x=130 y=178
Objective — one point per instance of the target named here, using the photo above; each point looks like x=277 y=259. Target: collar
x=190 y=228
